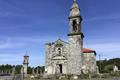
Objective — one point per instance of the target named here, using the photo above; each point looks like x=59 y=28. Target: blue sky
x=26 y=25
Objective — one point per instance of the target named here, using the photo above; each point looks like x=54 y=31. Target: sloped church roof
x=86 y=50
x=57 y=42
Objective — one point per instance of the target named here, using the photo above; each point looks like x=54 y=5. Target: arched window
x=74 y=24
x=59 y=48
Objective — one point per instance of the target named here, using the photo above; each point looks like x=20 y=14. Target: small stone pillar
x=13 y=71
x=37 y=71
x=33 y=71
x=115 y=69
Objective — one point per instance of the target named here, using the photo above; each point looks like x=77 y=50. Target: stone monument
x=25 y=64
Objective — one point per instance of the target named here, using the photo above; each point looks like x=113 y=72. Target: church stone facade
x=67 y=57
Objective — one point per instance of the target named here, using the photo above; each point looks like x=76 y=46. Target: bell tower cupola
x=75 y=20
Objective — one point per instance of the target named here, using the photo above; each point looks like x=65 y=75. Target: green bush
x=84 y=76
x=115 y=74
x=95 y=76
x=105 y=75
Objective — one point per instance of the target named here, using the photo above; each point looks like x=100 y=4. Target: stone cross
x=40 y=72
x=9 y=72
x=2 y=72
x=33 y=71
x=37 y=71
x=115 y=68
x=13 y=71
x=22 y=73
x=97 y=70
x=21 y=70
x=6 y=72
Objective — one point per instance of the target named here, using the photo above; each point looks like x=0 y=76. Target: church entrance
x=60 y=67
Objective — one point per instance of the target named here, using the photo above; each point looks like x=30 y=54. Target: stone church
x=69 y=57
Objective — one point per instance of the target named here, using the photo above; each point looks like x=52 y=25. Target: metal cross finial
x=75 y=0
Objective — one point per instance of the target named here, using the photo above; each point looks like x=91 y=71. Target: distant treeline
x=10 y=69
x=106 y=66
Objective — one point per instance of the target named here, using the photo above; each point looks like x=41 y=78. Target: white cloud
x=20 y=42
x=8 y=43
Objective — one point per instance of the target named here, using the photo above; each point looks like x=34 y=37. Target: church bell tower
x=75 y=20
x=75 y=39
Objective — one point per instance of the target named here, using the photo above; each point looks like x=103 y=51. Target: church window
x=59 y=50
x=74 y=24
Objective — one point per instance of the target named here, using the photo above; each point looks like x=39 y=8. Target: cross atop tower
x=75 y=0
